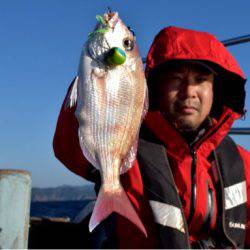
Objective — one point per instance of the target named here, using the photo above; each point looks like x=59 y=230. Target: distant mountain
x=63 y=193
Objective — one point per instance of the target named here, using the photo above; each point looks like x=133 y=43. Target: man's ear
x=153 y=91
x=217 y=106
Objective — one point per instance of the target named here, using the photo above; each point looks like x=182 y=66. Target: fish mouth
x=111 y=18
x=98 y=46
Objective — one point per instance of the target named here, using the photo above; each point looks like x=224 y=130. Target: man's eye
x=201 y=79
x=175 y=77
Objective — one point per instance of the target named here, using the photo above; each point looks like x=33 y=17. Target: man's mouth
x=187 y=109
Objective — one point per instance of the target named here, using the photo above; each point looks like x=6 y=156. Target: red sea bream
x=110 y=92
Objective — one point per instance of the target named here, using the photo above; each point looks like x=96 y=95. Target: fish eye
x=128 y=44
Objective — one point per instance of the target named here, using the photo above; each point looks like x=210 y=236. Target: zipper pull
x=194 y=156
x=193 y=188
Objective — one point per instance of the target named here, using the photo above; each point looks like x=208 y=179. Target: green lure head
x=115 y=56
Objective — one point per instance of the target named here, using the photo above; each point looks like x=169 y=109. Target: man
x=190 y=182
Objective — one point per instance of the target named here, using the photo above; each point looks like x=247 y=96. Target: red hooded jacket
x=171 y=43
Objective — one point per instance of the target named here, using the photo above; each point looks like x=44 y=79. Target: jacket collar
x=177 y=146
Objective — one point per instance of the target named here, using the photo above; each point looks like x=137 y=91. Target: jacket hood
x=173 y=43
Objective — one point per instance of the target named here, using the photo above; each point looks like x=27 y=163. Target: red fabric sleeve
x=66 y=144
x=245 y=154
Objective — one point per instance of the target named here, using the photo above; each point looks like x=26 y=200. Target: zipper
x=212 y=132
x=193 y=150
x=182 y=211
x=223 y=202
x=193 y=187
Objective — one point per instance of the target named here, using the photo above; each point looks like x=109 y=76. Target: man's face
x=186 y=95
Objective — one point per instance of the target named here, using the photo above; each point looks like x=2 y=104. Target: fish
x=110 y=94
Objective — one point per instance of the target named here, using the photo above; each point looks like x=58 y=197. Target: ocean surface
x=64 y=209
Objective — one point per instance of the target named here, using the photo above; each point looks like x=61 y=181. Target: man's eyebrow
x=204 y=73
x=175 y=72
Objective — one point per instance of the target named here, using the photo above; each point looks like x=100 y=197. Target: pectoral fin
x=72 y=96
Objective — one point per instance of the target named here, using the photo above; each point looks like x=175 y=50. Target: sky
x=40 y=48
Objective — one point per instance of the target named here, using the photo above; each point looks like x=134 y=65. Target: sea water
x=65 y=209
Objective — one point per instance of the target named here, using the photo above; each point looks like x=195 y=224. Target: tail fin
x=107 y=203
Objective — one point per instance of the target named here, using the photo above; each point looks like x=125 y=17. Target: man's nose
x=187 y=90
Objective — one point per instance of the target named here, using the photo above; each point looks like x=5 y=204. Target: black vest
x=165 y=202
